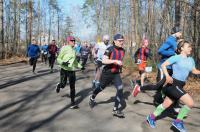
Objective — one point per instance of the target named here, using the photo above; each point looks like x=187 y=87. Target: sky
x=72 y=9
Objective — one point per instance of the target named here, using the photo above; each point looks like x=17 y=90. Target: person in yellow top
x=68 y=64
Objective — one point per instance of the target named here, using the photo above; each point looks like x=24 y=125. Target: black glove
x=65 y=63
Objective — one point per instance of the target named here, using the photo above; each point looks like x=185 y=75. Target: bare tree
x=1 y=30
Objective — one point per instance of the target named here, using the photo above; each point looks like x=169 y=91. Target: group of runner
x=49 y=52
x=173 y=69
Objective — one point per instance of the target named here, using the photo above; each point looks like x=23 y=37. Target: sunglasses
x=120 y=40
x=72 y=40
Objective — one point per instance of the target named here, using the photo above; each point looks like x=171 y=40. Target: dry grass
x=13 y=60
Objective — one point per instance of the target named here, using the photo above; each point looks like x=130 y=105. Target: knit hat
x=175 y=30
x=70 y=38
x=118 y=36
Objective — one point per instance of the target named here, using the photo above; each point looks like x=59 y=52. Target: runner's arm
x=195 y=71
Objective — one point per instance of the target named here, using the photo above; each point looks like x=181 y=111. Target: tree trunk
x=177 y=13
x=30 y=12
x=2 y=31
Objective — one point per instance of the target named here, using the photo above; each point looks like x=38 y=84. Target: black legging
x=158 y=86
x=44 y=58
x=33 y=62
x=105 y=80
x=64 y=74
x=52 y=59
x=84 y=61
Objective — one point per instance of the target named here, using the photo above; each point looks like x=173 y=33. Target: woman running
x=182 y=65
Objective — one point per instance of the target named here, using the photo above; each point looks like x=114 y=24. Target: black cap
x=175 y=30
x=118 y=36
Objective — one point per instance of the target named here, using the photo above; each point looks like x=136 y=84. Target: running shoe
x=118 y=113
x=92 y=102
x=151 y=121
x=136 y=90
x=58 y=88
x=179 y=125
x=73 y=106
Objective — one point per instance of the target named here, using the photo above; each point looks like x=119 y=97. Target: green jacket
x=67 y=53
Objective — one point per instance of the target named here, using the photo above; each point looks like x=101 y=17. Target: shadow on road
x=126 y=94
x=20 y=80
x=17 y=108
x=36 y=125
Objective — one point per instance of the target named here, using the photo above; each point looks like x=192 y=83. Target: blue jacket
x=33 y=51
x=44 y=48
x=167 y=49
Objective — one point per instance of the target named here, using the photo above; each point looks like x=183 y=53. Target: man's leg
x=34 y=64
x=105 y=79
x=72 y=80
x=63 y=80
x=119 y=96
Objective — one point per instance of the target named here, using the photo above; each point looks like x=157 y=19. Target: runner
x=44 y=52
x=68 y=63
x=166 y=50
x=182 y=65
x=33 y=53
x=52 y=50
x=78 y=52
x=101 y=48
x=112 y=59
x=85 y=51
x=141 y=56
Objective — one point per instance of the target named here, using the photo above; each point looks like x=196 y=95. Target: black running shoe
x=73 y=106
x=92 y=102
x=118 y=113
x=58 y=88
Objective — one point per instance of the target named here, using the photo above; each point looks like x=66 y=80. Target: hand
x=169 y=79
x=65 y=63
x=139 y=61
x=118 y=62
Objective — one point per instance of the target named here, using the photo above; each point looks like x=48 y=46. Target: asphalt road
x=28 y=102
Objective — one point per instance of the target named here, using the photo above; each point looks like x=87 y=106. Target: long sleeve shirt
x=68 y=54
x=167 y=49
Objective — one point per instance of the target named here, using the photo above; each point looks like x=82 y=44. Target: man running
x=44 y=51
x=78 y=51
x=101 y=48
x=85 y=51
x=52 y=50
x=33 y=53
x=68 y=63
x=112 y=59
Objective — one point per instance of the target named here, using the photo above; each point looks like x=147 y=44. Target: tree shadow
x=20 y=80
x=126 y=94
x=25 y=101
x=81 y=95
x=17 y=109
x=80 y=78
x=35 y=125
x=142 y=102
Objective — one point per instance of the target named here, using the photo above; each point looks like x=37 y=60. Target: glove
x=65 y=63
